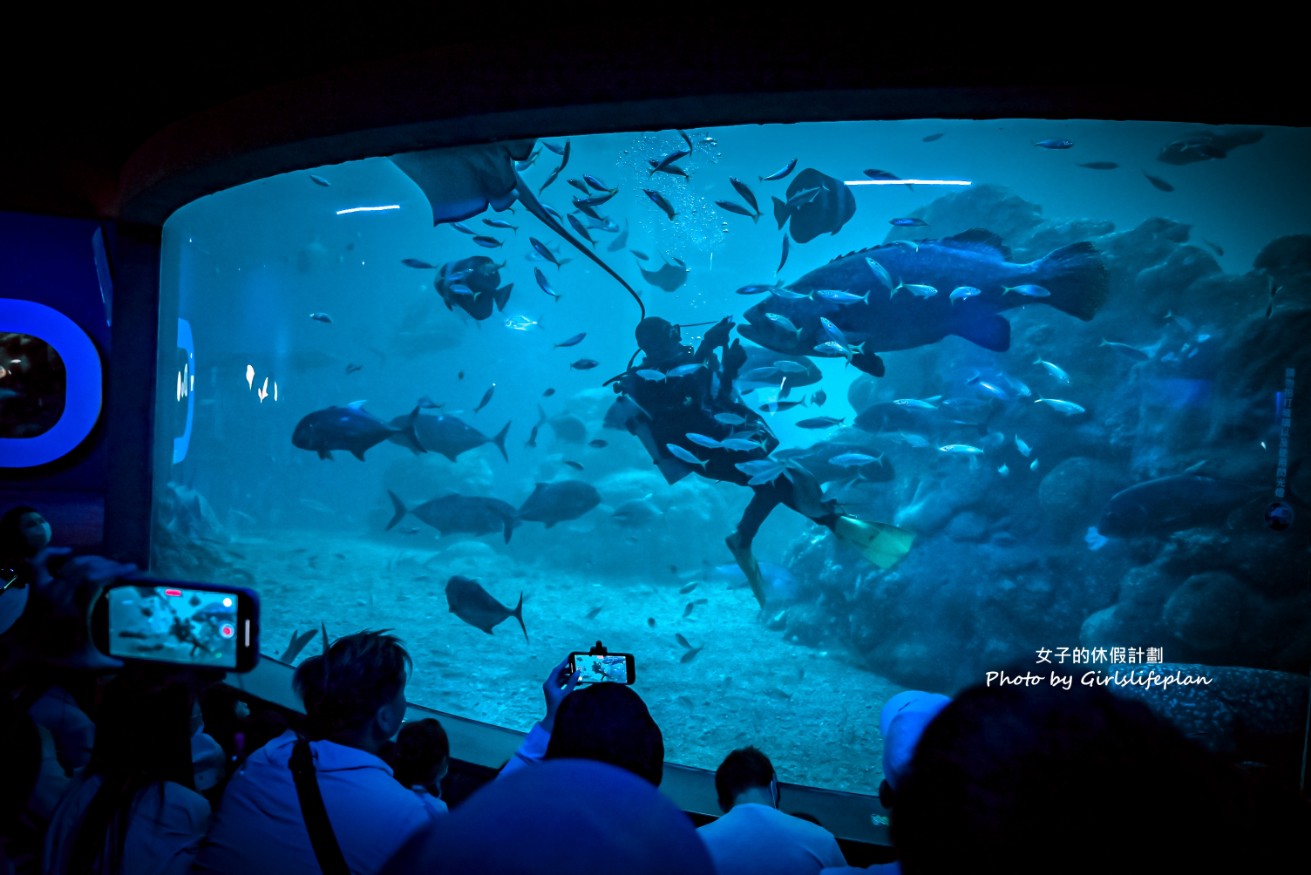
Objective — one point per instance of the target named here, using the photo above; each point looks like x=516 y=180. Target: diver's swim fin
x=750 y=567
x=881 y=543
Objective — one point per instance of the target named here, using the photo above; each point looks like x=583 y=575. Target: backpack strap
x=322 y=837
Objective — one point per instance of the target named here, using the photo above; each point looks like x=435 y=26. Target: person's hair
x=611 y=724
x=343 y=689
x=741 y=770
x=420 y=749
x=21 y=742
x=13 y=545
x=1033 y=777
x=143 y=739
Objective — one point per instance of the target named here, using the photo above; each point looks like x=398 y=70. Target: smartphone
x=205 y=625
x=609 y=668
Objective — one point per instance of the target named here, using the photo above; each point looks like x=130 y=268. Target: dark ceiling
x=91 y=91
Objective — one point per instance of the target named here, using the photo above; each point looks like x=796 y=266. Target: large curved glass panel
x=1055 y=359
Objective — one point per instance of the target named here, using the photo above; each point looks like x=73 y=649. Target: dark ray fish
x=455 y=513
x=591 y=615
x=447 y=435
x=931 y=137
x=669 y=277
x=1158 y=182
x=780 y=173
x=474 y=285
x=418 y=263
x=1099 y=165
x=558 y=502
x=352 y=428
x=476 y=606
x=1076 y=276
x=659 y=200
x=462 y=182
x=1207 y=145
x=318 y=180
x=573 y=341
x=825 y=212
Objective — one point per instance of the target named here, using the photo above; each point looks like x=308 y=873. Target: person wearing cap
x=682 y=403
x=901 y=722
x=754 y=836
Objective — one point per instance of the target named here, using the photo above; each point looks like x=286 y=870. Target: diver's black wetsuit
x=667 y=410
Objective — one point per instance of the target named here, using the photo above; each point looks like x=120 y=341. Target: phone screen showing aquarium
x=173 y=624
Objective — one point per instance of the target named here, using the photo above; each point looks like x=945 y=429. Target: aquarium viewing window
x=1030 y=389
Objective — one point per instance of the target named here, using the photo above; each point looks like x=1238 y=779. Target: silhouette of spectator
x=49 y=669
x=753 y=835
x=560 y=816
x=420 y=757
x=354 y=697
x=605 y=722
x=901 y=722
x=1043 y=779
x=21 y=742
x=24 y=533
x=134 y=810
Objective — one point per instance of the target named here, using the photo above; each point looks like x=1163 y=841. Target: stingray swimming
x=463 y=181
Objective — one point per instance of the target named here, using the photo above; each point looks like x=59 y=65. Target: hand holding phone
x=178 y=622
x=603 y=668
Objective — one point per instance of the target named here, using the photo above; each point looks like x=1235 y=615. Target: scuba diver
x=683 y=405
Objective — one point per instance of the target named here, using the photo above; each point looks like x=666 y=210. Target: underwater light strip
x=908 y=181
x=368 y=209
x=82 y=388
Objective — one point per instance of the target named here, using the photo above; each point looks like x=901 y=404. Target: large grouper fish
x=907 y=294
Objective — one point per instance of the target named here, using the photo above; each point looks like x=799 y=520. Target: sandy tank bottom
x=814 y=712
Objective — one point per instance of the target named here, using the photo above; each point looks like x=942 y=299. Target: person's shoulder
x=193 y=806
